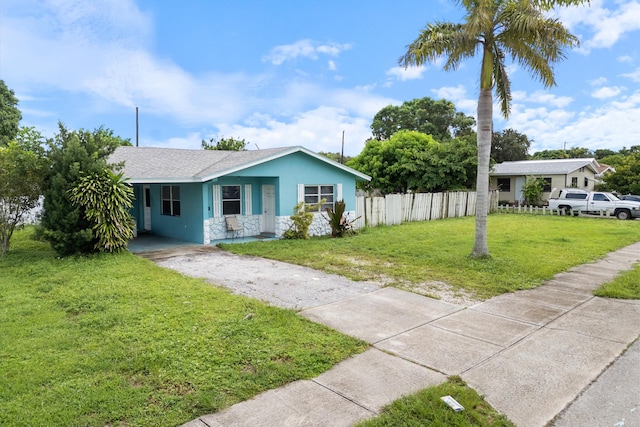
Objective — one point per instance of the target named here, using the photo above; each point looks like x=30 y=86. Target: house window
x=504 y=184
x=147 y=198
x=586 y=182
x=171 y=200
x=547 y=185
x=230 y=200
x=574 y=182
x=314 y=193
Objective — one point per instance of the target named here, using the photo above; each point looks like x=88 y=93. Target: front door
x=147 y=208
x=269 y=208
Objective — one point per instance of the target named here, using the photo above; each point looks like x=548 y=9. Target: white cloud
x=332 y=65
x=403 y=74
x=634 y=75
x=606 y=25
x=598 y=82
x=319 y=129
x=625 y=59
x=540 y=97
x=607 y=92
x=303 y=49
x=611 y=126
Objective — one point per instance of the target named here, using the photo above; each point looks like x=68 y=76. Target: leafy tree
x=603 y=152
x=10 y=115
x=222 y=143
x=614 y=160
x=571 y=153
x=436 y=118
x=106 y=199
x=509 y=145
x=414 y=161
x=22 y=164
x=336 y=156
x=73 y=155
x=495 y=28
x=626 y=178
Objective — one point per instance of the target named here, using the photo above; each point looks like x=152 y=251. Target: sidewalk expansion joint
x=345 y=397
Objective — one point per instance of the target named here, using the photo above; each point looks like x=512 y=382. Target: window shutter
x=339 y=192
x=248 y=207
x=300 y=193
x=217 y=201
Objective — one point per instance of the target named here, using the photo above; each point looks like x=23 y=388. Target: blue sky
x=294 y=73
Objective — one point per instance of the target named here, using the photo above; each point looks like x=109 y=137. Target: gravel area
x=279 y=283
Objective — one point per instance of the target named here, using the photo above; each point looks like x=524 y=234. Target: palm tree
x=496 y=29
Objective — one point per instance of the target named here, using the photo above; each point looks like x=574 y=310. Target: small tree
x=106 y=200
x=22 y=164
x=302 y=218
x=222 y=143
x=533 y=189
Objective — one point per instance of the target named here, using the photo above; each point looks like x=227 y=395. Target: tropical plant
x=496 y=29
x=533 y=189
x=106 y=199
x=340 y=223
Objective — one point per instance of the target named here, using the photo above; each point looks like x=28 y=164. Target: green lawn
x=626 y=286
x=425 y=408
x=116 y=340
x=526 y=250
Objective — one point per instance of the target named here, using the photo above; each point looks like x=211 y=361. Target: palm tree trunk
x=485 y=128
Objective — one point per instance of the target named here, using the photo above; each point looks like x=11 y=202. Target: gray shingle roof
x=158 y=165
x=543 y=167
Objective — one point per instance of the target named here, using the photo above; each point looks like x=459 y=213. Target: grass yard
x=526 y=250
x=625 y=286
x=116 y=340
x=426 y=409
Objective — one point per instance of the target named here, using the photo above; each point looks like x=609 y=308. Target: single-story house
x=509 y=177
x=188 y=194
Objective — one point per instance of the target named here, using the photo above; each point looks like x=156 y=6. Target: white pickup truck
x=574 y=201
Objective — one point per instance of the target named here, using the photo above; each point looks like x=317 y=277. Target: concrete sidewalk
x=529 y=353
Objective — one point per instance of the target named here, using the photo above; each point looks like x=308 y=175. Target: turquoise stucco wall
x=299 y=168
x=187 y=226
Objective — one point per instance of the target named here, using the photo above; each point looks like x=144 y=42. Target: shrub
x=302 y=219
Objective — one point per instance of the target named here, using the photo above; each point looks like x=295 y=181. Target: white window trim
x=217 y=201
x=248 y=207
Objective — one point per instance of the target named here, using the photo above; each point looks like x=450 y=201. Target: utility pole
x=342 y=152
x=136 y=125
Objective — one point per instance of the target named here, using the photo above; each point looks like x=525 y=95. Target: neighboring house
x=509 y=177
x=604 y=170
x=186 y=194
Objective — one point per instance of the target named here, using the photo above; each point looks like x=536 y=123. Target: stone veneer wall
x=216 y=229
x=319 y=226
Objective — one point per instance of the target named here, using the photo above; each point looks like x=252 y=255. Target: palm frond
x=436 y=40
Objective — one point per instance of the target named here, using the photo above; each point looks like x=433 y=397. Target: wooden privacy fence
x=395 y=209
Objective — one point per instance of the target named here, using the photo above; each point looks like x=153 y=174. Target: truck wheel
x=567 y=210
x=623 y=214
